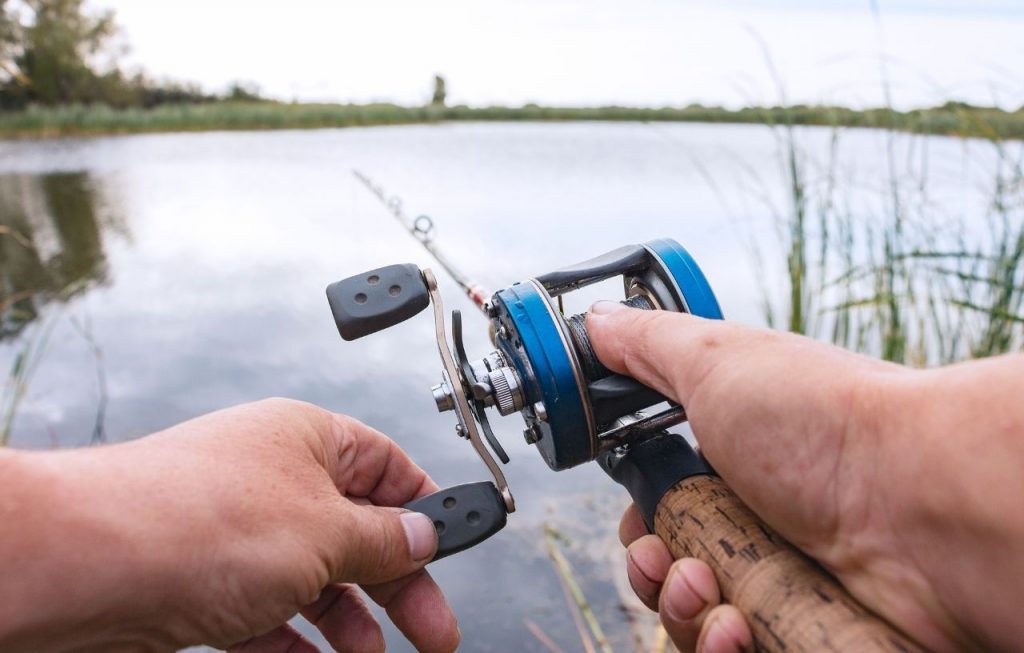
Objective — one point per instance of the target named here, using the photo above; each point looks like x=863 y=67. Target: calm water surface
x=193 y=267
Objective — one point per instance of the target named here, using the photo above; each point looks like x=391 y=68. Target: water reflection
x=51 y=243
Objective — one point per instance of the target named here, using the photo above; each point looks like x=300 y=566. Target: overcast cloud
x=587 y=52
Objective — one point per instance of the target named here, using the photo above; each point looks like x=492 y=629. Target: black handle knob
x=378 y=299
x=464 y=515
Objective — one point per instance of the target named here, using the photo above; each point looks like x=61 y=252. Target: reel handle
x=790 y=602
x=377 y=299
x=463 y=515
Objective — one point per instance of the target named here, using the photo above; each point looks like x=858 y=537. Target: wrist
x=26 y=546
x=79 y=570
x=963 y=440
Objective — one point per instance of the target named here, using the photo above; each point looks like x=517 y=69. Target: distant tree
x=244 y=92
x=51 y=49
x=440 y=92
x=957 y=105
x=60 y=51
x=150 y=93
x=10 y=40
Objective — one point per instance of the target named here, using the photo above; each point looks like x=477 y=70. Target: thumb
x=670 y=352
x=380 y=544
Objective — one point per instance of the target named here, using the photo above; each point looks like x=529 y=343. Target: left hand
x=219 y=530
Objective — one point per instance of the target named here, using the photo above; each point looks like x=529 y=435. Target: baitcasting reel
x=575 y=410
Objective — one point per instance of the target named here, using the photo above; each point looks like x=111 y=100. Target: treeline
x=952 y=118
x=58 y=52
x=60 y=74
x=955 y=119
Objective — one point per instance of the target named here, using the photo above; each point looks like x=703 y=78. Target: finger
x=341 y=616
x=418 y=608
x=688 y=596
x=283 y=639
x=725 y=631
x=631 y=526
x=372 y=544
x=629 y=341
x=370 y=464
x=673 y=352
x=670 y=352
x=647 y=565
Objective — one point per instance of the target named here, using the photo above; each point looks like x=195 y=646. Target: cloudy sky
x=589 y=52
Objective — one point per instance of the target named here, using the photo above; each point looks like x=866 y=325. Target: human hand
x=859 y=463
x=219 y=530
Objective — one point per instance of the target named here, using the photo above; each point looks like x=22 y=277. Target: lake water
x=196 y=265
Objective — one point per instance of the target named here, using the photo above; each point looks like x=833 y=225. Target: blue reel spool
x=561 y=410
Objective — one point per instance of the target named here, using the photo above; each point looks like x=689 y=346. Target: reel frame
x=532 y=334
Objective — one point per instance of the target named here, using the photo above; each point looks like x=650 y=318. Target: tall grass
x=648 y=635
x=893 y=280
x=30 y=354
x=31 y=346
x=985 y=275
x=896 y=280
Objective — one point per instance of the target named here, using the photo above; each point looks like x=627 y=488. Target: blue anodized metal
x=536 y=348
x=535 y=344
x=692 y=284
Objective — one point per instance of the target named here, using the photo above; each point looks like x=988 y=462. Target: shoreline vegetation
x=951 y=119
x=60 y=75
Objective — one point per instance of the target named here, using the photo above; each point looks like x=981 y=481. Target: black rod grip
x=649 y=469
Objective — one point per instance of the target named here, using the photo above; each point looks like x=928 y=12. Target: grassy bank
x=951 y=118
x=877 y=263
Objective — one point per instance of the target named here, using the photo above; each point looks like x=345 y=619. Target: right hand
x=904 y=484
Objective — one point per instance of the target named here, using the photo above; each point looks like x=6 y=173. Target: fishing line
x=422 y=228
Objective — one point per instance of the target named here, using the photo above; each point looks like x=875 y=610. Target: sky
x=589 y=52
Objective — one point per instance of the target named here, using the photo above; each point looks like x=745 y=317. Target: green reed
x=30 y=352
x=896 y=281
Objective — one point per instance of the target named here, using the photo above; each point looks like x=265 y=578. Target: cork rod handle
x=790 y=603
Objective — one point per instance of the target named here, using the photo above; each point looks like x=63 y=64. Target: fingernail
x=682 y=603
x=605 y=307
x=718 y=640
x=420 y=534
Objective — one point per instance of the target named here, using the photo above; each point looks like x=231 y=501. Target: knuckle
x=277 y=404
x=280 y=409
x=283 y=406
x=283 y=420
x=344 y=423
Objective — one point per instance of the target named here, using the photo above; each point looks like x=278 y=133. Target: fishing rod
x=575 y=410
x=422 y=229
